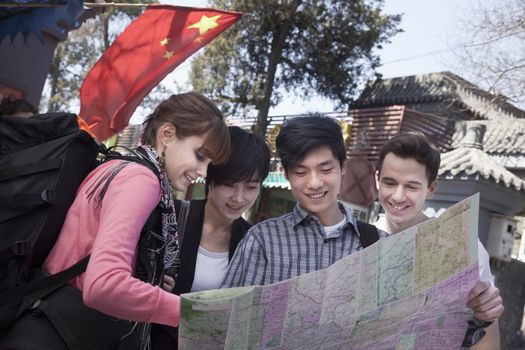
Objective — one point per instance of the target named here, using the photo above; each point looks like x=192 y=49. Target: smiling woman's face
x=185 y=161
x=231 y=201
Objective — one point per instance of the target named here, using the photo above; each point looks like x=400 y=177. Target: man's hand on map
x=485 y=301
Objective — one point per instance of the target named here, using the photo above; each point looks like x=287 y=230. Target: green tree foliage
x=74 y=57
x=308 y=47
x=71 y=62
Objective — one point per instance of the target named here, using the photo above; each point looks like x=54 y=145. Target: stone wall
x=510 y=279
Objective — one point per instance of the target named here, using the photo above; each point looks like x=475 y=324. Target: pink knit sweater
x=110 y=232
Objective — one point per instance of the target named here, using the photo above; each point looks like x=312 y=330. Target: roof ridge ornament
x=474 y=136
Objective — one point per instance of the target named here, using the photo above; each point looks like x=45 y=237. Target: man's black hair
x=249 y=157
x=301 y=135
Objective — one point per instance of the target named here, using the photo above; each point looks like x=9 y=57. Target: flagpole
x=102 y=4
x=114 y=4
x=125 y=4
x=87 y=4
x=6 y=4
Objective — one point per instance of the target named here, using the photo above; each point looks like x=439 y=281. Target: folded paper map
x=407 y=291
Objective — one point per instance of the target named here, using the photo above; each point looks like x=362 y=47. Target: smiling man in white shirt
x=406 y=177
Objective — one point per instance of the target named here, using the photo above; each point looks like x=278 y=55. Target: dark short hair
x=10 y=105
x=192 y=114
x=250 y=155
x=413 y=145
x=301 y=135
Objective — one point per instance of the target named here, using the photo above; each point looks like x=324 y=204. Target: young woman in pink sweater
x=181 y=137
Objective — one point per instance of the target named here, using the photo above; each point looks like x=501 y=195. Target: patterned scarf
x=168 y=212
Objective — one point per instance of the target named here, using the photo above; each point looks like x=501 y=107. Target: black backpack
x=43 y=160
x=368 y=233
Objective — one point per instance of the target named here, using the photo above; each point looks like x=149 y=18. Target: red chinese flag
x=149 y=48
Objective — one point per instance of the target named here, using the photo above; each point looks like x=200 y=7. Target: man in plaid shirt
x=320 y=230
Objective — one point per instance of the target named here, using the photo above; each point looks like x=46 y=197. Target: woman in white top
x=214 y=226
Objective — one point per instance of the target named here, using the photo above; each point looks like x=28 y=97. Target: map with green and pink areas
x=407 y=291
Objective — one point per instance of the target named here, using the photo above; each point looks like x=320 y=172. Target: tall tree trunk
x=54 y=76
x=275 y=57
x=264 y=106
x=278 y=40
x=105 y=27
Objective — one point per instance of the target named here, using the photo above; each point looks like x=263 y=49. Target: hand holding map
x=407 y=291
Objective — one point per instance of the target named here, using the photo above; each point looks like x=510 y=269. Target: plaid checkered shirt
x=295 y=244
x=289 y=246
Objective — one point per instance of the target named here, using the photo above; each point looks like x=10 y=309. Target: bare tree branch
x=491 y=52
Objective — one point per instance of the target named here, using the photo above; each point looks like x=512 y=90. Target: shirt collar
x=299 y=215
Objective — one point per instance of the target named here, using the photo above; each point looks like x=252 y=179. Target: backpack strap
x=38 y=289
x=114 y=155
x=33 y=291
x=150 y=246
x=368 y=233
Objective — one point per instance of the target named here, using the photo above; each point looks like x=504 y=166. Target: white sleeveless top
x=210 y=269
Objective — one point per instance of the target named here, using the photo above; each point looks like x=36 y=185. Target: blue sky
x=429 y=30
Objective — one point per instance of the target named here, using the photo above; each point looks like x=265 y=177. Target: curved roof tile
x=446 y=87
x=500 y=137
x=473 y=161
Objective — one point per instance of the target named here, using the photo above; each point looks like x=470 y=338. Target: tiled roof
x=444 y=87
x=276 y=179
x=472 y=161
x=372 y=127
x=500 y=138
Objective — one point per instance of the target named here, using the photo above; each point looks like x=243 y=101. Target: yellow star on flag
x=164 y=42
x=168 y=54
x=198 y=40
x=206 y=23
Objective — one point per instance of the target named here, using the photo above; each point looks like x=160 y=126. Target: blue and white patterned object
x=57 y=17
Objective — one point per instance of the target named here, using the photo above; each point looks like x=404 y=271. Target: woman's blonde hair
x=192 y=114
